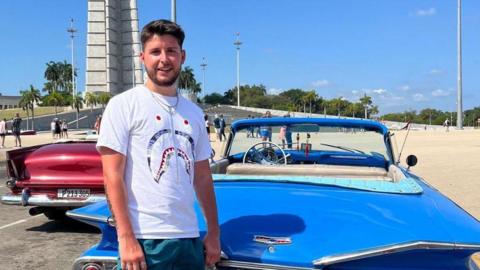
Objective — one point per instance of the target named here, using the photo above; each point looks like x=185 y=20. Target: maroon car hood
x=68 y=164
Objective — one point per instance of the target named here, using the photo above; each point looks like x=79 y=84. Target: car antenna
x=407 y=127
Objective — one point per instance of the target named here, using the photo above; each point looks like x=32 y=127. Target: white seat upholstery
x=318 y=170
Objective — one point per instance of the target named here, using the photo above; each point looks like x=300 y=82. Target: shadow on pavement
x=66 y=225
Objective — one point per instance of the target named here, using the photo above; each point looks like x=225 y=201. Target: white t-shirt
x=159 y=170
x=3 y=127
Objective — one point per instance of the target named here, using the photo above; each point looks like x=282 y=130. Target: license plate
x=73 y=193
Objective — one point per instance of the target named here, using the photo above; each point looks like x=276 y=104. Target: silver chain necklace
x=166 y=106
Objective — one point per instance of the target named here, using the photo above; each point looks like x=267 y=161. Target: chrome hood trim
x=44 y=200
x=258 y=266
x=94 y=218
x=362 y=254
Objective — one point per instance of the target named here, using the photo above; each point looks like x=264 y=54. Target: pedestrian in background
x=65 y=128
x=16 y=129
x=222 y=128
x=3 y=131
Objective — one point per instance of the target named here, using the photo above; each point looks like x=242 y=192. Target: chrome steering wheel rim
x=284 y=156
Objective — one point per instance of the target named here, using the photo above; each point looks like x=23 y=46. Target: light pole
x=204 y=66
x=238 y=43
x=459 y=63
x=174 y=11
x=72 y=31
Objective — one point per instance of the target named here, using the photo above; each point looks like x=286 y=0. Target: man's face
x=163 y=59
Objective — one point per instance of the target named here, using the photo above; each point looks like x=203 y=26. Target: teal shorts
x=172 y=254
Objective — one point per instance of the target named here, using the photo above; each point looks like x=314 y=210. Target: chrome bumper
x=44 y=200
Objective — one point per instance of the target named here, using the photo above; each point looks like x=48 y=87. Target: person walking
x=216 y=124
x=207 y=125
x=222 y=128
x=16 y=130
x=65 y=128
x=154 y=149
x=3 y=131
x=52 y=128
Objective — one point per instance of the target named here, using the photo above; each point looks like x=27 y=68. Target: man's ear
x=142 y=57
x=184 y=56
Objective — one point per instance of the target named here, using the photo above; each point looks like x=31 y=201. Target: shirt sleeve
x=203 y=150
x=114 y=130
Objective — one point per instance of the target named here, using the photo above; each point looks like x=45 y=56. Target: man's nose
x=163 y=56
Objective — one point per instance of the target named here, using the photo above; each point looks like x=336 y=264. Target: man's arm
x=131 y=254
x=203 y=184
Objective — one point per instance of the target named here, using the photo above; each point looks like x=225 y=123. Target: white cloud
x=426 y=12
x=404 y=87
x=419 y=97
x=355 y=92
x=321 y=83
x=434 y=72
x=274 y=91
x=440 y=93
x=379 y=91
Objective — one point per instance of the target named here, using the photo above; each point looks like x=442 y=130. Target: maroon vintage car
x=54 y=178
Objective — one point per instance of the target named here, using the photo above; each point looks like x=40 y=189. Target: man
x=16 y=129
x=155 y=152
x=222 y=128
x=216 y=124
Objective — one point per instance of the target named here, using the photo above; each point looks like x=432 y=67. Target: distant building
x=113 y=46
x=9 y=102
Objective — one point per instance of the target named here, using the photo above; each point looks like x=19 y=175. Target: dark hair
x=162 y=27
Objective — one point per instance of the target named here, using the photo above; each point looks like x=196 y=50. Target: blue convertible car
x=309 y=193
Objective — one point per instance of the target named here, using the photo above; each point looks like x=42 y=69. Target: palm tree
x=33 y=98
x=309 y=97
x=91 y=100
x=366 y=102
x=77 y=104
x=55 y=99
x=52 y=75
x=24 y=103
x=103 y=98
x=187 y=80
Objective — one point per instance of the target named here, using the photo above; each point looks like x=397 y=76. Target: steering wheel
x=265 y=154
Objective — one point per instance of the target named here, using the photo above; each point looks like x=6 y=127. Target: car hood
x=323 y=221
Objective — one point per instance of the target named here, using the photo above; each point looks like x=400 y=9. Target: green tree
x=310 y=97
x=30 y=97
x=90 y=100
x=77 y=104
x=52 y=75
x=188 y=82
x=103 y=98
x=54 y=99
x=214 y=99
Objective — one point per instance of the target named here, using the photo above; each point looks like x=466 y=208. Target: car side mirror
x=411 y=161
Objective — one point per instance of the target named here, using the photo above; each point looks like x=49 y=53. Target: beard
x=166 y=82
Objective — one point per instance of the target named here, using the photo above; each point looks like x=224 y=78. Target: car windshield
x=312 y=138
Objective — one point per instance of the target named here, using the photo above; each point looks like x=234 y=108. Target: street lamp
x=72 y=31
x=238 y=43
x=459 y=63
x=204 y=66
x=174 y=11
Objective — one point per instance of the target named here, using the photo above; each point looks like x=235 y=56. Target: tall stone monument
x=113 y=46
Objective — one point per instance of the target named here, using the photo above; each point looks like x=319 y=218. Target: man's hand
x=211 y=243
x=131 y=254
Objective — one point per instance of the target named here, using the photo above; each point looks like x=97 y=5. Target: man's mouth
x=164 y=69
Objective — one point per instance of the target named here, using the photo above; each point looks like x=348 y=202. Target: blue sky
x=401 y=52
